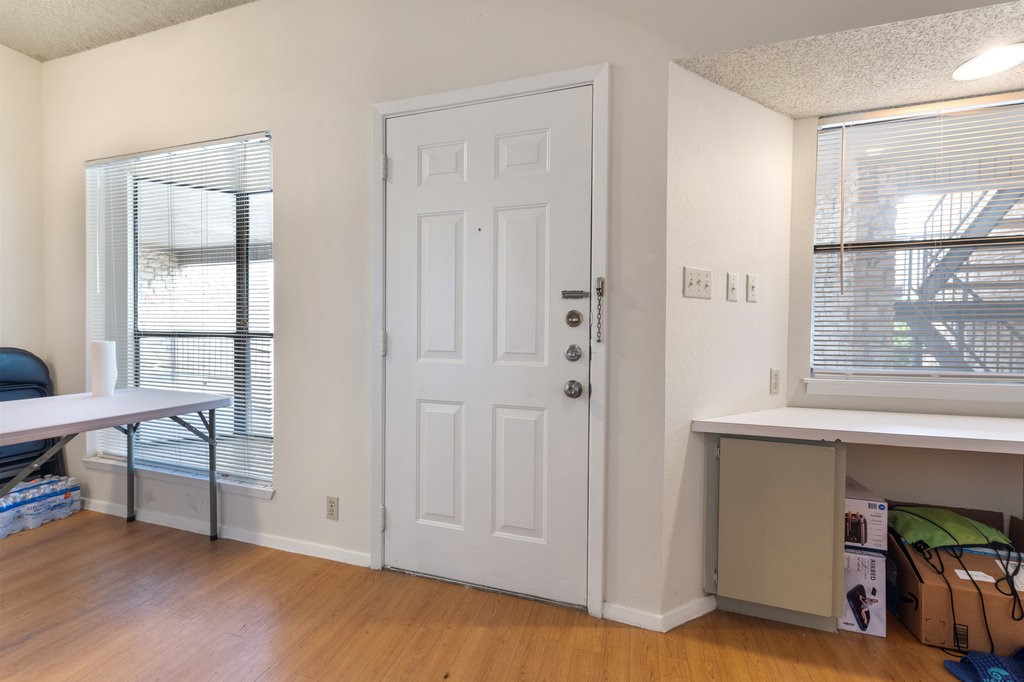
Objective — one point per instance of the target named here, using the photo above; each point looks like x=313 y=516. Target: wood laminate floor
x=93 y=598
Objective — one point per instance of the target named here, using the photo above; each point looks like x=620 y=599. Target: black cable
x=1009 y=577
x=926 y=554
x=949 y=588
x=981 y=597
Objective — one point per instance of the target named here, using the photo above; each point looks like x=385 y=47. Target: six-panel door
x=488 y=220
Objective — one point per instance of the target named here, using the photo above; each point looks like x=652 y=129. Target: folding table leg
x=212 y=428
x=35 y=464
x=130 y=503
x=211 y=440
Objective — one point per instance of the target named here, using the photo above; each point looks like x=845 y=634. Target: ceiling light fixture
x=990 y=62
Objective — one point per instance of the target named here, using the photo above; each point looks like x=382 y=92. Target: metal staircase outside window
x=965 y=304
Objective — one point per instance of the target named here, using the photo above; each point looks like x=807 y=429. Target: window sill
x=144 y=471
x=925 y=390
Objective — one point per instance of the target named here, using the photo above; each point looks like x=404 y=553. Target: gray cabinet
x=774 y=528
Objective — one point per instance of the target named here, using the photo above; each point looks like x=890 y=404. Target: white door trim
x=597 y=76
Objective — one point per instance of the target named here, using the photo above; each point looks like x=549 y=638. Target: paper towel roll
x=104 y=367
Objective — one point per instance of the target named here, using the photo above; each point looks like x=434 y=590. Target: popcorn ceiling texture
x=898 y=64
x=48 y=29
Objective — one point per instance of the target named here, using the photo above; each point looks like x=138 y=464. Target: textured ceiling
x=893 y=64
x=48 y=29
x=898 y=64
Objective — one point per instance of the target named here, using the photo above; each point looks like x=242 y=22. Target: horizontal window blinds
x=919 y=246
x=180 y=275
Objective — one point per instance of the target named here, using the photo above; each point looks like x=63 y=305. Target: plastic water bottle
x=13 y=512
x=44 y=493
x=19 y=513
x=55 y=499
x=6 y=516
x=34 y=509
x=76 y=495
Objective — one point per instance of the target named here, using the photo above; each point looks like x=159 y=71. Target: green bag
x=932 y=527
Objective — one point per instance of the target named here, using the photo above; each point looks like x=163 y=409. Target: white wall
x=21 y=202
x=729 y=165
x=943 y=477
x=310 y=76
x=310 y=72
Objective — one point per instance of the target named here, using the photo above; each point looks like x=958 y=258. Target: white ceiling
x=48 y=29
x=897 y=64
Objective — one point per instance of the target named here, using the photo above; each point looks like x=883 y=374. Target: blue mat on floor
x=979 y=667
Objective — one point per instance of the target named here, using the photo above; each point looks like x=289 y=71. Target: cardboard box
x=863 y=593
x=924 y=601
x=866 y=520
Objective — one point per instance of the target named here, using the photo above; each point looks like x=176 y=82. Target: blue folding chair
x=23 y=375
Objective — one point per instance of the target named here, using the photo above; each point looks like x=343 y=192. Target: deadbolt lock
x=573 y=318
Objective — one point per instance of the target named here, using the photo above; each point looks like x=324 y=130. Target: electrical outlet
x=696 y=283
x=732 y=286
x=773 y=381
x=332 y=508
x=751 y=288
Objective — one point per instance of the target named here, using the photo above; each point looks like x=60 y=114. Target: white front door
x=485 y=462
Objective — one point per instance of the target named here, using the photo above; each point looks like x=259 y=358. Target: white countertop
x=942 y=431
x=38 y=418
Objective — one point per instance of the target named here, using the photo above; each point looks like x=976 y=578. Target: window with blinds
x=181 y=276
x=919 y=246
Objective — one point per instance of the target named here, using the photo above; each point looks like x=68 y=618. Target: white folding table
x=66 y=416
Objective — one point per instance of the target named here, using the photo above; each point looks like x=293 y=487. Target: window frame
x=919 y=385
x=117 y=242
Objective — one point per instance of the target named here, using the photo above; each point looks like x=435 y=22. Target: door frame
x=597 y=76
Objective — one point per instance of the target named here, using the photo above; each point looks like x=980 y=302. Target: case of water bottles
x=32 y=503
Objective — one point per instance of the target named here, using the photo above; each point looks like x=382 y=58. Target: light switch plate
x=732 y=285
x=696 y=283
x=751 y=288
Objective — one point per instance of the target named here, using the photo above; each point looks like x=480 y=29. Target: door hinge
x=383 y=518
x=384 y=167
x=383 y=343
x=714 y=577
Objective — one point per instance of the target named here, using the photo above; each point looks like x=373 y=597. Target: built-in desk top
x=942 y=431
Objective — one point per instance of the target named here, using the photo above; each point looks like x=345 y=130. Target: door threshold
x=486 y=588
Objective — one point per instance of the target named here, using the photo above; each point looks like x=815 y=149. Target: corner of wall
x=805 y=145
x=21 y=202
x=728 y=210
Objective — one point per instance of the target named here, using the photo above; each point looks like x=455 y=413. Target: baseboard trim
x=689 y=611
x=660 y=622
x=202 y=527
